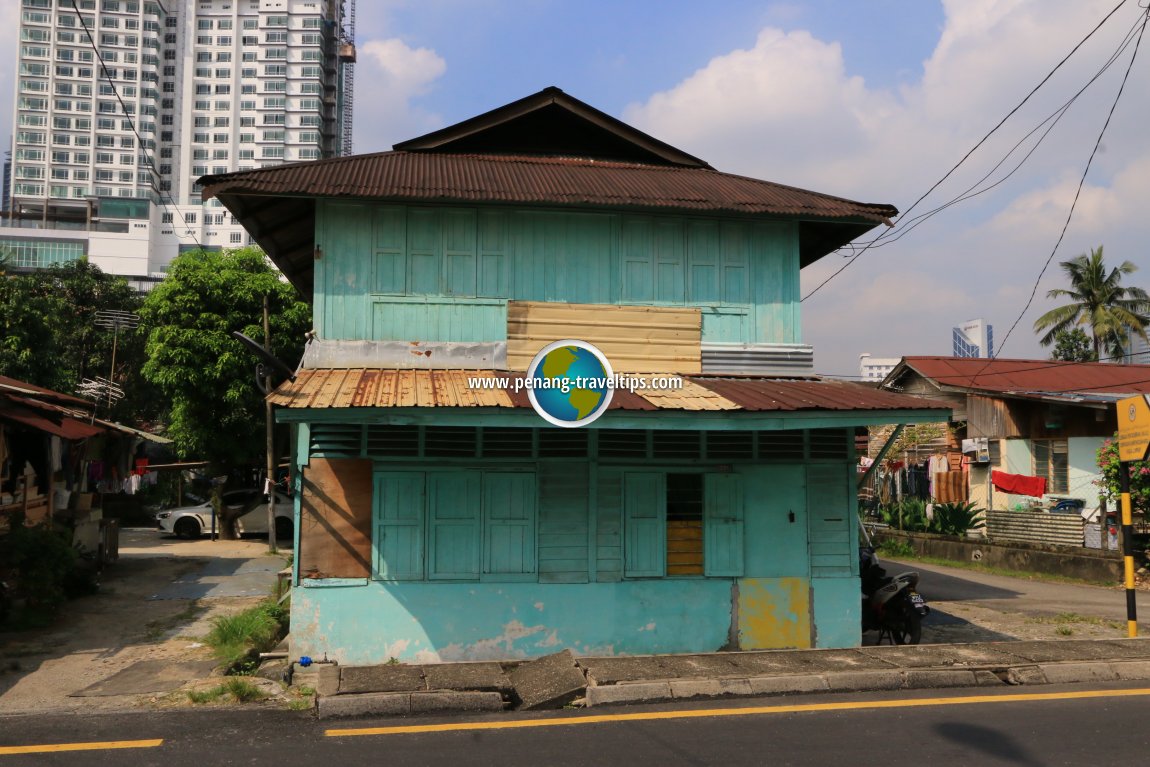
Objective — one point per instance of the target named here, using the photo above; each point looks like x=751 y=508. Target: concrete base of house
x=1069 y=561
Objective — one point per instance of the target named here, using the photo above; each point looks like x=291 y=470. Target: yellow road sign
x=1133 y=427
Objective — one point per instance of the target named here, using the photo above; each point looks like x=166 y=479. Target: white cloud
x=789 y=110
x=391 y=75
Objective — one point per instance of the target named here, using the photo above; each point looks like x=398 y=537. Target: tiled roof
x=352 y=388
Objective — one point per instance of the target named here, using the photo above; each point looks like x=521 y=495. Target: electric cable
x=132 y=125
x=981 y=141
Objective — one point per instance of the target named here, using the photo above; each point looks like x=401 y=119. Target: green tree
x=1100 y=301
x=48 y=334
x=1073 y=346
x=208 y=377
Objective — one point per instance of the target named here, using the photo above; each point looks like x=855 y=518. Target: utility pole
x=271 y=467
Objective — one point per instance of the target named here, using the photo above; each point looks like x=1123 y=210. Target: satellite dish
x=270 y=359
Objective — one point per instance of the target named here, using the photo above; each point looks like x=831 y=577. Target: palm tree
x=1099 y=301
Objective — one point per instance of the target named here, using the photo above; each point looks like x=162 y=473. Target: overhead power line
x=160 y=193
x=975 y=148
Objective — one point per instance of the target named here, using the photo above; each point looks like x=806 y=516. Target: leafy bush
x=1108 y=484
x=956 y=518
x=908 y=514
x=42 y=564
x=896 y=548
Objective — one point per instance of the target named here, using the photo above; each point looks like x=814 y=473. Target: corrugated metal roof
x=809 y=394
x=427 y=176
x=331 y=388
x=1013 y=376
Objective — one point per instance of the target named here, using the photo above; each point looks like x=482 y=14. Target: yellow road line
x=48 y=748
x=752 y=711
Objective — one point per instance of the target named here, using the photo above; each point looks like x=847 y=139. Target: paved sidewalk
x=402 y=689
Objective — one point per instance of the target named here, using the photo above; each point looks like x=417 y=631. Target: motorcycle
x=891 y=606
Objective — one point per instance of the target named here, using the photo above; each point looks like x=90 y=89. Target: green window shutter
x=453 y=502
x=509 y=523
x=399 y=525
x=645 y=535
x=723 y=525
x=830 y=517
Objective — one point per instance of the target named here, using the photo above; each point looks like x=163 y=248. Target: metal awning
x=392 y=388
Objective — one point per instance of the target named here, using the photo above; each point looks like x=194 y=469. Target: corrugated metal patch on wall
x=636 y=339
x=763 y=359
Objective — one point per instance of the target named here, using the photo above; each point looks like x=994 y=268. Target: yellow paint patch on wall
x=774 y=613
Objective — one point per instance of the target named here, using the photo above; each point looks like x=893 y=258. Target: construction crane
x=347 y=73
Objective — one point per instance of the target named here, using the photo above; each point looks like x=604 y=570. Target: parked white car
x=194 y=521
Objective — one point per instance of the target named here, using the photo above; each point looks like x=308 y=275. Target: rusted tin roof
x=548 y=149
x=1012 y=376
x=334 y=388
x=471 y=178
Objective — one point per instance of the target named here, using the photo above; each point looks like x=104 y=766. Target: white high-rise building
x=121 y=105
x=974 y=338
x=874 y=369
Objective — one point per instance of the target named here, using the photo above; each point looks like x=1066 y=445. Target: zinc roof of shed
x=355 y=388
x=1018 y=376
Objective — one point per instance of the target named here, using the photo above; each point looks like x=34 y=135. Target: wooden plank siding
x=830 y=515
x=635 y=339
x=609 y=526
x=562 y=521
x=382 y=271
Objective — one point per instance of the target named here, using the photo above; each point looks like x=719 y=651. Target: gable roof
x=1017 y=377
x=552 y=123
x=546 y=149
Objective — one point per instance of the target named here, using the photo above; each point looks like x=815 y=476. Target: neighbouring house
x=54 y=455
x=1035 y=424
x=441 y=519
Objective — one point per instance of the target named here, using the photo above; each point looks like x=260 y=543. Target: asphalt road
x=950 y=584
x=1073 y=725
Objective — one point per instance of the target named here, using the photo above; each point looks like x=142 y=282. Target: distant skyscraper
x=122 y=105
x=973 y=339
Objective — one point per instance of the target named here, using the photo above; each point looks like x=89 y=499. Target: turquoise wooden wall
x=526 y=557
x=445 y=273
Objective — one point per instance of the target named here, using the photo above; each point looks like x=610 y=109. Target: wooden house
x=1044 y=419
x=441 y=519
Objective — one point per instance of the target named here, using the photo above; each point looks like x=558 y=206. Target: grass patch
x=1064 y=631
x=206 y=696
x=1021 y=574
x=1066 y=619
x=234 y=638
x=240 y=690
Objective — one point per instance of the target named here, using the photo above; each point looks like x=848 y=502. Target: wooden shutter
x=830 y=515
x=644 y=504
x=399 y=514
x=509 y=527
x=723 y=525
x=453 y=502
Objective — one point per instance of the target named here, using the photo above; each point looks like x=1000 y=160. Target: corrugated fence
x=1035 y=527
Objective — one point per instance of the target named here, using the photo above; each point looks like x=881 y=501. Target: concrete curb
x=404 y=703
x=870 y=681
x=659 y=690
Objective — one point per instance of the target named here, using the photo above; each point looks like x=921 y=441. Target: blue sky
x=872 y=100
